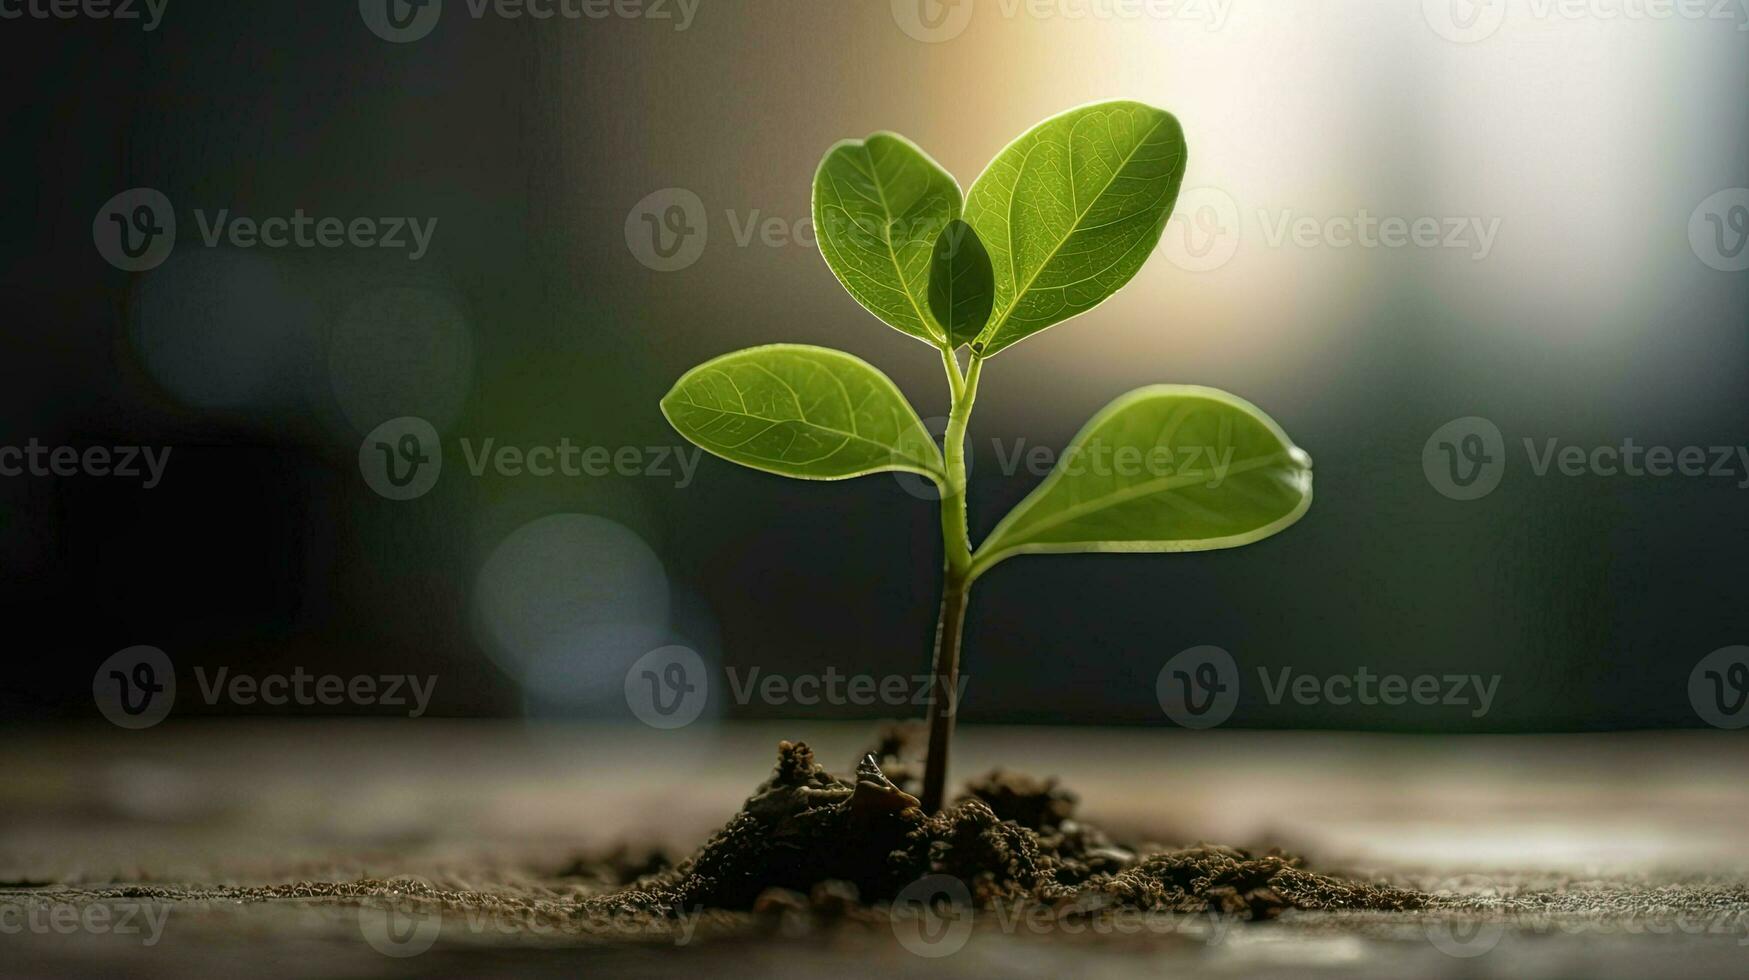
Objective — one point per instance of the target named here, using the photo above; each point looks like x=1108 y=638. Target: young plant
x=1058 y=222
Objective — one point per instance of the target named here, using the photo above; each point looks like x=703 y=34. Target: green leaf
x=1071 y=210
x=1164 y=468
x=807 y=412
x=879 y=205
x=961 y=286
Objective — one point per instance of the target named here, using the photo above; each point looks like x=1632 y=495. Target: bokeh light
x=565 y=603
x=224 y=329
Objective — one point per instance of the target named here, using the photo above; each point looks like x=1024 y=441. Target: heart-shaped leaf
x=879 y=205
x=1071 y=210
x=962 y=287
x=1164 y=468
x=808 y=412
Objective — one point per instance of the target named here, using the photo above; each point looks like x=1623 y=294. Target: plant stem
x=956 y=583
x=946 y=684
x=956 y=382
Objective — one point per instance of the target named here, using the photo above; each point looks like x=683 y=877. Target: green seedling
x=1058 y=222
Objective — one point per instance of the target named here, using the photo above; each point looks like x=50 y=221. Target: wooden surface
x=486 y=805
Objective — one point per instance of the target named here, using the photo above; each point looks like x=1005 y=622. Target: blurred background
x=1585 y=286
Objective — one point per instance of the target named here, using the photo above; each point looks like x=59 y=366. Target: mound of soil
x=813 y=844
x=806 y=837
x=809 y=849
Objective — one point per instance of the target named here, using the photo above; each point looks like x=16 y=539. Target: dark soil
x=811 y=844
x=809 y=839
x=808 y=848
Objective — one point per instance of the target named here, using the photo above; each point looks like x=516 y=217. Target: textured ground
x=187 y=848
